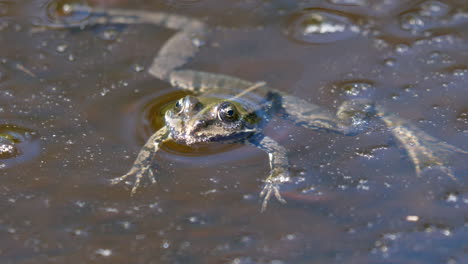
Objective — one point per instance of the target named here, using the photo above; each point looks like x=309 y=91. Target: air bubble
x=429 y=15
x=321 y=26
x=390 y=62
x=434 y=9
x=104 y=252
x=463 y=116
x=355 y=88
x=138 y=68
x=451 y=197
x=401 y=48
x=412 y=22
x=60 y=12
x=61 y=48
x=110 y=33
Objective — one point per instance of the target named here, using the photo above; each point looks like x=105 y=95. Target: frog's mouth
x=205 y=132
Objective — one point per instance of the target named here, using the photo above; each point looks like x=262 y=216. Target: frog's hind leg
x=198 y=81
x=350 y=119
x=424 y=150
x=106 y=16
x=177 y=51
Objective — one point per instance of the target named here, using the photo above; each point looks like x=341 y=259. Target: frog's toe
x=119 y=179
x=270 y=189
x=430 y=153
x=441 y=165
x=139 y=173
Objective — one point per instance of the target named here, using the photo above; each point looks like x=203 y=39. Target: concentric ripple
x=151 y=117
x=137 y=118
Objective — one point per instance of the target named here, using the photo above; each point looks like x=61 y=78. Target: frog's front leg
x=279 y=166
x=144 y=161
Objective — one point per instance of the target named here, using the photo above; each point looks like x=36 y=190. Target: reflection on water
x=80 y=105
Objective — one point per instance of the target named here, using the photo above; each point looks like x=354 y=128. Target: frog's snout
x=191 y=103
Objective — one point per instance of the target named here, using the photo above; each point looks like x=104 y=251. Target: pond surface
x=76 y=105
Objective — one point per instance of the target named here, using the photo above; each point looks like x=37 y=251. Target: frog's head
x=203 y=119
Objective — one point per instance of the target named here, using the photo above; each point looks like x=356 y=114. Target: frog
x=227 y=109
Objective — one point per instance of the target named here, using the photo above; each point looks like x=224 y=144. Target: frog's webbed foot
x=143 y=164
x=279 y=168
x=139 y=171
x=272 y=188
x=424 y=150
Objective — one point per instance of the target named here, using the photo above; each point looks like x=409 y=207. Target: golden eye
x=227 y=112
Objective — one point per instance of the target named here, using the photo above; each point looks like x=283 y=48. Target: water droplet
x=138 y=68
x=463 y=116
x=389 y=62
x=104 y=252
x=61 y=12
x=61 y=48
x=451 y=197
x=459 y=72
x=446 y=232
x=412 y=21
x=109 y=33
x=401 y=48
x=428 y=15
x=355 y=88
x=197 y=42
x=166 y=244
x=434 y=9
x=104 y=91
x=320 y=26
x=412 y=218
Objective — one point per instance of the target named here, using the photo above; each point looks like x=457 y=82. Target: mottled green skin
x=198 y=118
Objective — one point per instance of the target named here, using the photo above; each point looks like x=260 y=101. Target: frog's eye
x=227 y=112
x=178 y=106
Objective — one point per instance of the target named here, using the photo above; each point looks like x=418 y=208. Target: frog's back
x=262 y=101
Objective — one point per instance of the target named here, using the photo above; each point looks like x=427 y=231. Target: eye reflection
x=227 y=112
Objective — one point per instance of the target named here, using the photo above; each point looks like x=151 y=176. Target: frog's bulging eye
x=227 y=112
x=178 y=106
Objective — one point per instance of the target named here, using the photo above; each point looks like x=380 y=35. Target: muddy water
x=76 y=106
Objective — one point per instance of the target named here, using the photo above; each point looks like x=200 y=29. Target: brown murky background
x=76 y=104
